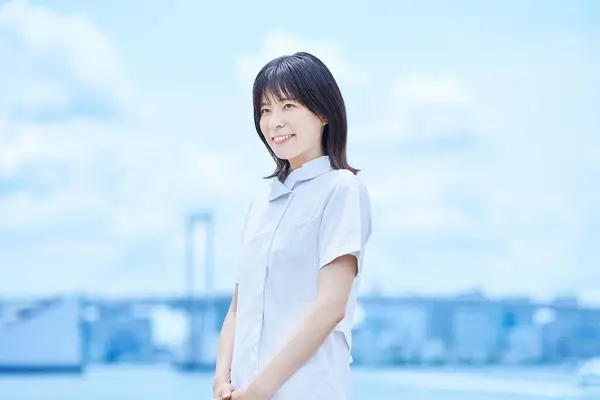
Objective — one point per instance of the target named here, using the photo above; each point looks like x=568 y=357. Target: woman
x=287 y=334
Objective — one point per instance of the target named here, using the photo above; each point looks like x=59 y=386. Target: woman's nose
x=276 y=121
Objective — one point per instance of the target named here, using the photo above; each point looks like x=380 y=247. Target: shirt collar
x=305 y=172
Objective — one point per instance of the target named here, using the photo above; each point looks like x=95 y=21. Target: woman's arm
x=225 y=348
x=335 y=283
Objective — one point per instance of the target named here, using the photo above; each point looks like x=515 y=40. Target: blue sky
x=475 y=125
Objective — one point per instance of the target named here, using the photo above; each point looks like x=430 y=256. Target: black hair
x=306 y=79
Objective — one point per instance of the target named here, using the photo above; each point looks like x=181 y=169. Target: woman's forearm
x=303 y=343
x=335 y=283
x=226 y=339
x=225 y=348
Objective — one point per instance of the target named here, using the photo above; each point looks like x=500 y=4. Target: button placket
x=260 y=318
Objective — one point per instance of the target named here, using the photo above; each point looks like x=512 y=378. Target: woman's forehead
x=270 y=97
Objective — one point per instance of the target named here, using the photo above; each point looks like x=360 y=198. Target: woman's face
x=292 y=131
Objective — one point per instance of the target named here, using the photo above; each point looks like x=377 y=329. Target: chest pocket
x=293 y=259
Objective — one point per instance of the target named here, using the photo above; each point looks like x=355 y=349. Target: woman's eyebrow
x=267 y=100
x=268 y=103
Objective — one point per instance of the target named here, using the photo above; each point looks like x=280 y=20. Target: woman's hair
x=304 y=78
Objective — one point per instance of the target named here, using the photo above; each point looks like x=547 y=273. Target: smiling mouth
x=282 y=138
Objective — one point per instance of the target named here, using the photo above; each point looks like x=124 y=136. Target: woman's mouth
x=282 y=138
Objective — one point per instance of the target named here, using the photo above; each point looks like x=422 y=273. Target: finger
x=226 y=391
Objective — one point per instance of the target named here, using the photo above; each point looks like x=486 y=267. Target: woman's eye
x=288 y=105
x=264 y=110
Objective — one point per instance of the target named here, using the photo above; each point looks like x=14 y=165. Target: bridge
x=67 y=333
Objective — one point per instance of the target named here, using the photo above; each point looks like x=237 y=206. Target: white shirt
x=291 y=232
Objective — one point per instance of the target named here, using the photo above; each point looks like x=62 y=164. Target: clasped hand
x=228 y=393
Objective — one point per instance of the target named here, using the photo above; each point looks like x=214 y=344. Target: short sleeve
x=346 y=222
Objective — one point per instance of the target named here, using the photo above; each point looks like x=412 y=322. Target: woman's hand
x=248 y=394
x=222 y=391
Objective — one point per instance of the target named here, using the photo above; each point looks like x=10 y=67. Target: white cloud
x=433 y=219
x=55 y=61
x=54 y=264
x=44 y=95
x=411 y=182
x=97 y=183
x=429 y=109
x=471 y=201
x=82 y=183
x=146 y=176
x=278 y=43
x=444 y=90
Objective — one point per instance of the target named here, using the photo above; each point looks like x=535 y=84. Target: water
x=154 y=383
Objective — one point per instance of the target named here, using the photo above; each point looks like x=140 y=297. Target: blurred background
x=128 y=158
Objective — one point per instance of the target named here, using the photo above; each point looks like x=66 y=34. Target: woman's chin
x=285 y=155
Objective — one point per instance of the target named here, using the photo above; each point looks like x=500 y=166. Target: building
x=42 y=336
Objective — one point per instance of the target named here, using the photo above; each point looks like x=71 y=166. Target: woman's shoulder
x=347 y=181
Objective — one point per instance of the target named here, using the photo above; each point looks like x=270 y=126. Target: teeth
x=282 y=138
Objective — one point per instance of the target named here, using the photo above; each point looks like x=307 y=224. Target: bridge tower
x=200 y=352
